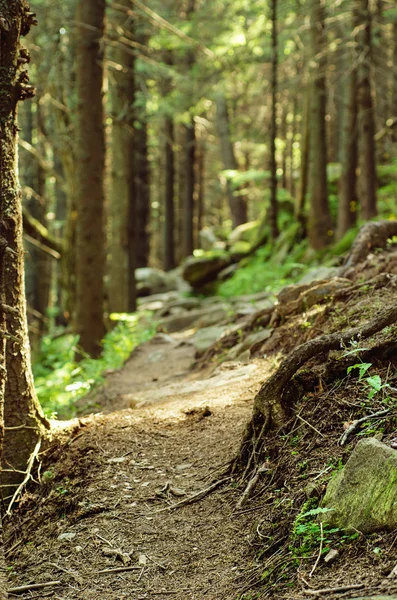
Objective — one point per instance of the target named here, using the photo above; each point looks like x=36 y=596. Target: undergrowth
x=60 y=381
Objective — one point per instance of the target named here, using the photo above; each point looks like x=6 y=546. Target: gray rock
x=204 y=338
x=318 y=273
x=256 y=338
x=153 y=281
x=363 y=495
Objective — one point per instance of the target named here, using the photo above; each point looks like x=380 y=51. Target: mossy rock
x=239 y=250
x=202 y=269
x=363 y=495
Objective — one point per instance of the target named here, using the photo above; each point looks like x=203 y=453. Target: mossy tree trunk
x=90 y=151
x=25 y=424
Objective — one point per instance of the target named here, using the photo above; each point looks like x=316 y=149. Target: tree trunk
x=90 y=149
x=169 y=208
x=366 y=124
x=25 y=424
x=304 y=165
x=394 y=85
x=237 y=202
x=142 y=194
x=123 y=153
x=273 y=208
x=200 y=186
x=188 y=212
x=291 y=149
x=320 y=226
x=347 y=210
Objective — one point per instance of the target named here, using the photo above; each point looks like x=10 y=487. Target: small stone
x=116 y=460
x=68 y=536
x=332 y=554
x=311 y=491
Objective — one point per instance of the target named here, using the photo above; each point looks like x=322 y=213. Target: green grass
x=60 y=381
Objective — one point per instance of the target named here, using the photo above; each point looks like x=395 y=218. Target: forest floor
x=135 y=501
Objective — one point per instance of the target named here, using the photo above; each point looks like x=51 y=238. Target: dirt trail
x=164 y=432
x=113 y=484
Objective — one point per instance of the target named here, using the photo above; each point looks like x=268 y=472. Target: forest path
x=114 y=488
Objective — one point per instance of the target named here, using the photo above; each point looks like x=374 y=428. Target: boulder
x=363 y=495
x=199 y=270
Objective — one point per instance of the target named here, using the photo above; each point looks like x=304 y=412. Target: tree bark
x=371 y=235
x=169 y=207
x=188 y=212
x=394 y=85
x=237 y=202
x=273 y=208
x=25 y=424
x=90 y=149
x=123 y=155
x=347 y=209
x=320 y=225
x=142 y=193
x=305 y=163
x=366 y=124
x=38 y=265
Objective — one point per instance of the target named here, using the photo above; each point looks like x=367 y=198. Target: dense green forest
x=215 y=174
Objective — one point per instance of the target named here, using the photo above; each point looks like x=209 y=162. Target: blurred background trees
x=158 y=127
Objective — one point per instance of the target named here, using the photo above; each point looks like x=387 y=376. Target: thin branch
x=33 y=586
x=358 y=422
x=195 y=497
x=29 y=468
x=319 y=552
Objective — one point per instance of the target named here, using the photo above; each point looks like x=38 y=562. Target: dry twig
x=32 y=586
x=195 y=497
x=344 y=437
x=343 y=588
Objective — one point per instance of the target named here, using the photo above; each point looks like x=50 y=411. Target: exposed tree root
x=371 y=235
x=271 y=406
